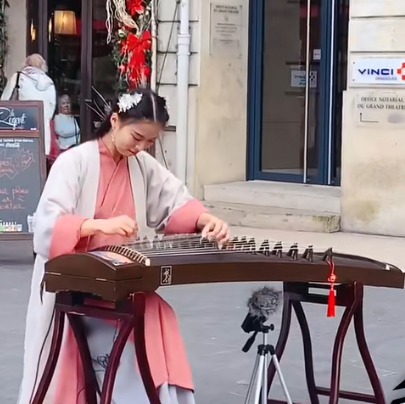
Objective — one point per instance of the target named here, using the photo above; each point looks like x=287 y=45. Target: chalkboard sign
x=22 y=166
x=18 y=117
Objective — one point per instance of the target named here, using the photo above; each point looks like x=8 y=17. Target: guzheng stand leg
x=308 y=358
x=132 y=316
x=90 y=380
x=134 y=322
x=365 y=353
x=350 y=297
x=59 y=321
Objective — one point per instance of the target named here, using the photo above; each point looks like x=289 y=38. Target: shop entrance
x=297 y=75
x=72 y=37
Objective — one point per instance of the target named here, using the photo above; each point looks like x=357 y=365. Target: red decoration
x=332 y=293
x=136 y=47
x=133 y=47
x=135 y=7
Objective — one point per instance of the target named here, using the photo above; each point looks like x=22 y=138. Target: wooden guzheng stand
x=117 y=273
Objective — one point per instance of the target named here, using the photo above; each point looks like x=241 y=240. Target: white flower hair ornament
x=128 y=101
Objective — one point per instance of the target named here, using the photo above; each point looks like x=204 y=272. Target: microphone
x=263 y=303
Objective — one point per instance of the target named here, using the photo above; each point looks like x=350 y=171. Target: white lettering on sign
x=8 y=117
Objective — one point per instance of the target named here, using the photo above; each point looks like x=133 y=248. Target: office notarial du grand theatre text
x=381 y=102
x=385 y=108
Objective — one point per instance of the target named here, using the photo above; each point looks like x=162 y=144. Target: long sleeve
x=184 y=219
x=8 y=90
x=57 y=227
x=169 y=206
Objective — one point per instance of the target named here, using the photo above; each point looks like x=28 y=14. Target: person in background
x=66 y=127
x=32 y=83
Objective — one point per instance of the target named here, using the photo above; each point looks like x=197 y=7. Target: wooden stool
x=350 y=297
x=132 y=315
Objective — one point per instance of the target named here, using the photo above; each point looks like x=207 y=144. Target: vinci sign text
x=379 y=71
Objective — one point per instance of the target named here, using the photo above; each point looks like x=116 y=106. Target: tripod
x=258 y=381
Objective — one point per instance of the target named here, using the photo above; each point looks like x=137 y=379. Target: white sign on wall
x=317 y=54
x=226 y=30
x=380 y=108
x=379 y=71
x=298 y=78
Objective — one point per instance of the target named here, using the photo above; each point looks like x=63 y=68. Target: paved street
x=210 y=317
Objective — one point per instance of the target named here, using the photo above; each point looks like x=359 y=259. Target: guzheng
x=114 y=272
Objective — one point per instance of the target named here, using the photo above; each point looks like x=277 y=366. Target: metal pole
x=265 y=371
x=183 y=66
x=331 y=88
x=307 y=72
x=153 y=82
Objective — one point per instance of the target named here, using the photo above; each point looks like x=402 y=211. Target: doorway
x=72 y=37
x=297 y=75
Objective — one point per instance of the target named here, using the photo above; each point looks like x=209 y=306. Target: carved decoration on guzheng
x=165 y=275
x=193 y=259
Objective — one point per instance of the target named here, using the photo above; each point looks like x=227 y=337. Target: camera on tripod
x=261 y=305
x=255 y=324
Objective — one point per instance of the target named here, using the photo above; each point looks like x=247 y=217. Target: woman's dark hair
x=151 y=108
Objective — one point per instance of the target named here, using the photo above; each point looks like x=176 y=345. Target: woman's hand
x=120 y=225
x=213 y=228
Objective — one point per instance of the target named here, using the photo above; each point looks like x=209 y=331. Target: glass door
x=103 y=69
x=340 y=61
x=64 y=51
x=289 y=72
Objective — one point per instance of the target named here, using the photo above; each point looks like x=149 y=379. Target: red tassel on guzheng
x=332 y=293
x=332 y=302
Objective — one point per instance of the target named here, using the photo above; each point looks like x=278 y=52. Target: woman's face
x=131 y=138
x=65 y=106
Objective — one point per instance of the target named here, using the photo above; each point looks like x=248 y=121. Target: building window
x=72 y=37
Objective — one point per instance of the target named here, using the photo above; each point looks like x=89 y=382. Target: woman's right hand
x=120 y=225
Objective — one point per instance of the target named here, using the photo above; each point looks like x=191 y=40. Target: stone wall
x=217 y=107
x=373 y=155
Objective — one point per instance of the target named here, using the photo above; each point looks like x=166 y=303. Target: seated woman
x=66 y=127
x=105 y=191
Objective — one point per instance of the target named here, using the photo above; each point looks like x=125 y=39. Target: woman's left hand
x=213 y=228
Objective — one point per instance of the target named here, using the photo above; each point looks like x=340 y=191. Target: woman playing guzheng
x=107 y=191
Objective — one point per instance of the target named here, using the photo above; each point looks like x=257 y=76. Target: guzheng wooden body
x=115 y=272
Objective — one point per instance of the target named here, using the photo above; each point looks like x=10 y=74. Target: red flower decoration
x=135 y=48
x=135 y=7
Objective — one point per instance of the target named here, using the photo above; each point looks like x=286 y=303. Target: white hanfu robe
x=72 y=191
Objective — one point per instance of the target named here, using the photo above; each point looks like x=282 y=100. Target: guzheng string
x=195 y=244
